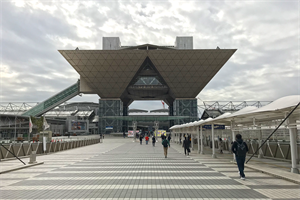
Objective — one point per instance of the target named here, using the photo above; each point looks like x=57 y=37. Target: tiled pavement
x=121 y=169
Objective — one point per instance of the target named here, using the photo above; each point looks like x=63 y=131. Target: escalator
x=54 y=101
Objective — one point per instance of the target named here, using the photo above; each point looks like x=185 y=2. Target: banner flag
x=45 y=124
x=30 y=125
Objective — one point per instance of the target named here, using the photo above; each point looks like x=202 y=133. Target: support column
x=29 y=131
x=201 y=139
x=156 y=126
x=260 y=153
x=134 y=126
x=192 y=138
x=293 y=144
x=198 y=138
x=233 y=137
x=124 y=122
x=15 y=129
x=109 y=107
x=213 y=141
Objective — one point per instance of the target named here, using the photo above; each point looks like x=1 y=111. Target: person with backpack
x=186 y=146
x=240 y=149
x=165 y=144
x=169 y=137
x=147 y=139
x=153 y=140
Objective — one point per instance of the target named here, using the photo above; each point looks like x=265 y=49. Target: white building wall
x=111 y=43
x=185 y=42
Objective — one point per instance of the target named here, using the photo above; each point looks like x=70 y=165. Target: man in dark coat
x=153 y=140
x=186 y=146
x=240 y=149
x=141 y=139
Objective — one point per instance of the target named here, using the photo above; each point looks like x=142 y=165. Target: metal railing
x=25 y=149
x=278 y=150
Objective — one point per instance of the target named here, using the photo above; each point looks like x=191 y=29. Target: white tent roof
x=273 y=111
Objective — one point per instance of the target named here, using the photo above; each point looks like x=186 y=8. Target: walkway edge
x=23 y=167
x=288 y=176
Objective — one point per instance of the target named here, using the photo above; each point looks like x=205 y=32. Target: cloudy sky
x=266 y=34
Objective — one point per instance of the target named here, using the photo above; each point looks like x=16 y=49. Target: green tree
x=38 y=122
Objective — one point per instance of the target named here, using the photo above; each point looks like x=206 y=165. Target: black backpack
x=241 y=149
x=165 y=143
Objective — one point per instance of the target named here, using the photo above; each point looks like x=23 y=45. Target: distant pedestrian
x=147 y=139
x=240 y=149
x=186 y=146
x=141 y=139
x=153 y=141
x=124 y=134
x=165 y=144
x=221 y=145
x=169 y=137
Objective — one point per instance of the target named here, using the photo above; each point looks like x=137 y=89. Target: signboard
x=109 y=127
x=75 y=125
x=160 y=132
x=78 y=126
x=131 y=133
x=216 y=126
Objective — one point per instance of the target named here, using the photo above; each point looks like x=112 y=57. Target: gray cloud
x=265 y=66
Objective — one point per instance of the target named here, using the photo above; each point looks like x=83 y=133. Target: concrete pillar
x=260 y=152
x=32 y=158
x=175 y=137
x=192 y=138
x=293 y=143
x=134 y=126
x=233 y=137
x=213 y=141
x=198 y=138
x=156 y=126
x=201 y=140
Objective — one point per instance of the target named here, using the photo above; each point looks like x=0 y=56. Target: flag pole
x=30 y=128
x=15 y=129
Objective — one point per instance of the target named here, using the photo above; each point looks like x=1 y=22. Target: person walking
x=153 y=141
x=221 y=145
x=141 y=139
x=186 y=146
x=165 y=144
x=147 y=139
x=240 y=149
x=169 y=138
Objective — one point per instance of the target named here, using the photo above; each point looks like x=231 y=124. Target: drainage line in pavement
x=274 y=131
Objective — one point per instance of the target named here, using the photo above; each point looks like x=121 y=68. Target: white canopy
x=276 y=110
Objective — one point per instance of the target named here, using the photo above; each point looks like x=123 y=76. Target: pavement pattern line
x=134 y=171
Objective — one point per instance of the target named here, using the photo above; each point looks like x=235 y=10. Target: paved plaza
x=121 y=169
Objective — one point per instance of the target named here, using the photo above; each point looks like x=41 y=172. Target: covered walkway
x=283 y=112
x=121 y=169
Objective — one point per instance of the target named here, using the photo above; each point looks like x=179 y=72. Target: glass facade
x=110 y=108
x=185 y=107
x=148 y=80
